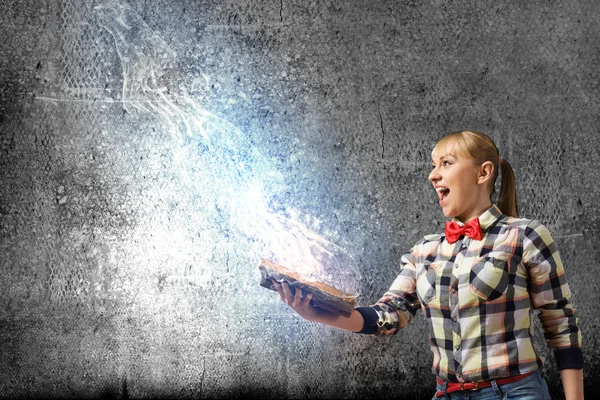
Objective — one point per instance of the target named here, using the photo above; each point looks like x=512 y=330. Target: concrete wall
x=152 y=151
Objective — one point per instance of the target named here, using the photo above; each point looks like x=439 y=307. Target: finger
x=277 y=286
x=287 y=289
x=307 y=299
x=284 y=292
x=298 y=297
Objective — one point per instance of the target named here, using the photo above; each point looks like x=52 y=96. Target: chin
x=447 y=214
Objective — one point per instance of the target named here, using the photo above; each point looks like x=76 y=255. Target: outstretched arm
x=311 y=313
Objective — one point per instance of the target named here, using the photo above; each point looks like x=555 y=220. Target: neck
x=476 y=213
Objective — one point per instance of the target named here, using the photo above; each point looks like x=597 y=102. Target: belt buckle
x=476 y=387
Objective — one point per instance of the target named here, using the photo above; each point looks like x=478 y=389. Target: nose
x=434 y=175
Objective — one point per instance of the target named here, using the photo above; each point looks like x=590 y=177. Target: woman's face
x=456 y=181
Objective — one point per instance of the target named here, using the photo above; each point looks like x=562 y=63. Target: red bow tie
x=454 y=231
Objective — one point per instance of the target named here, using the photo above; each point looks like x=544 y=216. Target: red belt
x=456 y=386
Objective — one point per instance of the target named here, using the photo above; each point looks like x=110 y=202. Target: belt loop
x=443 y=391
x=497 y=389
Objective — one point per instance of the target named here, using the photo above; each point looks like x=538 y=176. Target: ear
x=486 y=171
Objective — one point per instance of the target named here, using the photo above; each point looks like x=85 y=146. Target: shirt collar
x=487 y=219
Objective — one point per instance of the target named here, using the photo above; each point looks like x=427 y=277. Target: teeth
x=441 y=189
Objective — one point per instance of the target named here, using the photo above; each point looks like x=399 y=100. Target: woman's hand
x=295 y=300
x=309 y=312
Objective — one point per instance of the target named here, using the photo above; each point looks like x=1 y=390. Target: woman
x=478 y=284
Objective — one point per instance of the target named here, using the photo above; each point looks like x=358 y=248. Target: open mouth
x=442 y=192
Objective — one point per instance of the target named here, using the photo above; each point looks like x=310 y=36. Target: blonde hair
x=481 y=148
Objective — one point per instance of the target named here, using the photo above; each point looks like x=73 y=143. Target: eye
x=444 y=163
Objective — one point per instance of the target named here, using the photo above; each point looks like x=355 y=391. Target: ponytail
x=508 y=190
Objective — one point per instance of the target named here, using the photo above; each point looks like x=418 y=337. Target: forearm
x=572 y=381
x=309 y=312
x=354 y=323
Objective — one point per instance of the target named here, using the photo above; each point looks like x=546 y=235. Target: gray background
x=125 y=269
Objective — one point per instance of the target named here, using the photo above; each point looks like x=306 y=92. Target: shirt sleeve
x=551 y=295
x=396 y=309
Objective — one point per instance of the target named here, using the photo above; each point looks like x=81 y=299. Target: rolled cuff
x=370 y=317
x=569 y=358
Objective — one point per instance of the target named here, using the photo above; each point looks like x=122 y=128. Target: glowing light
x=218 y=160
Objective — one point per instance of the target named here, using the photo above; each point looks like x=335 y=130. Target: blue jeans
x=532 y=387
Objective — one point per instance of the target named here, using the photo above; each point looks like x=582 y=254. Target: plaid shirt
x=478 y=297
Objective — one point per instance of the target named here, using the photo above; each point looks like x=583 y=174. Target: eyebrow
x=448 y=155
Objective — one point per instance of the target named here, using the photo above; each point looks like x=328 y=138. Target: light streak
x=217 y=158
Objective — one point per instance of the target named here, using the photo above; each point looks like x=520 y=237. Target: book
x=324 y=296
